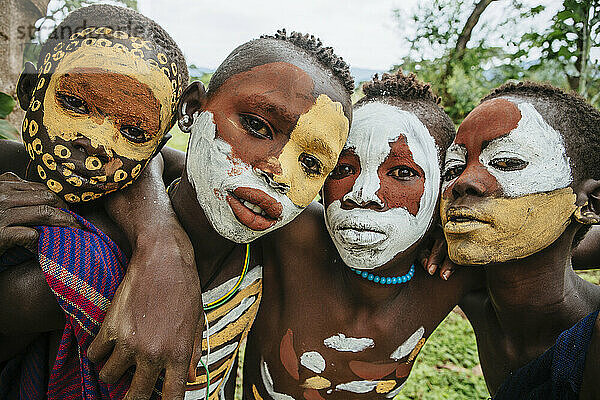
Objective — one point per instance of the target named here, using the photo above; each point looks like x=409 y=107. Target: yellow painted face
x=503 y=229
x=99 y=112
x=313 y=149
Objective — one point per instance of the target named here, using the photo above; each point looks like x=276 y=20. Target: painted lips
x=254 y=208
x=361 y=235
x=463 y=220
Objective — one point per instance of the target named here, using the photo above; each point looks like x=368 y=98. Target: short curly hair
x=570 y=114
x=411 y=94
x=308 y=45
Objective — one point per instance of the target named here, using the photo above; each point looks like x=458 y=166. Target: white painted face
x=222 y=181
x=533 y=143
x=381 y=196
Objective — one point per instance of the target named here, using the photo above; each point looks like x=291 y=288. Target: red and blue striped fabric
x=83 y=267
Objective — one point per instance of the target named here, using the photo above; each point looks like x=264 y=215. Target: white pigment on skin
x=394 y=392
x=407 y=347
x=357 y=386
x=374 y=127
x=213 y=172
x=313 y=361
x=340 y=342
x=534 y=141
x=268 y=383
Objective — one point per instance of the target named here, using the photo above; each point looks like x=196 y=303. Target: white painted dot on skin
x=340 y=342
x=268 y=383
x=367 y=239
x=357 y=386
x=394 y=392
x=408 y=346
x=534 y=141
x=313 y=361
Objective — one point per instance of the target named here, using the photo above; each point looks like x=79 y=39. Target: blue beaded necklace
x=396 y=280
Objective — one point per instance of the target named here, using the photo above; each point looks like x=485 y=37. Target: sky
x=365 y=33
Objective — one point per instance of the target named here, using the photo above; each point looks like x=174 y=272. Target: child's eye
x=452 y=172
x=311 y=164
x=508 y=164
x=341 y=171
x=134 y=134
x=73 y=103
x=256 y=126
x=402 y=173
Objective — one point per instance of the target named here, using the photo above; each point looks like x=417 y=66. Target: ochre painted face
x=506 y=191
x=381 y=196
x=262 y=148
x=98 y=113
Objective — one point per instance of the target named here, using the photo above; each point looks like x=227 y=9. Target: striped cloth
x=83 y=268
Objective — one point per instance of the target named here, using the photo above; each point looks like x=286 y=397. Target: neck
x=539 y=293
x=211 y=249
x=376 y=294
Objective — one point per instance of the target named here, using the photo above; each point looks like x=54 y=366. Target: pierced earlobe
x=185 y=123
x=585 y=215
x=589 y=212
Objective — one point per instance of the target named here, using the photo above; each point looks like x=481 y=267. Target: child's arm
x=27 y=307
x=159 y=299
x=13 y=157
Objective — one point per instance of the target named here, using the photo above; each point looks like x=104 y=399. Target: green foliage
x=462 y=78
x=567 y=42
x=7 y=105
x=448 y=365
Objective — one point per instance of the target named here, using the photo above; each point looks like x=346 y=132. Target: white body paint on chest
x=340 y=342
x=214 y=172
x=313 y=361
x=534 y=141
x=268 y=383
x=407 y=347
x=367 y=239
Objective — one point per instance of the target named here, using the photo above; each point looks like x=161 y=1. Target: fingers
x=9 y=176
x=37 y=215
x=447 y=269
x=174 y=384
x=100 y=348
x=118 y=362
x=18 y=236
x=10 y=198
x=143 y=381
x=438 y=254
x=196 y=352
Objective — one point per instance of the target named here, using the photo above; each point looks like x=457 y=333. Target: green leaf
x=7 y=104
x=8 y=131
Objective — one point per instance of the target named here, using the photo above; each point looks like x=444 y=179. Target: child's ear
x=26 y=84
x=588 y=196
x=192 y=101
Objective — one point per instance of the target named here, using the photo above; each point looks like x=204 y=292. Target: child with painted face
x=263 y=139
x=521 y=187
x=345 y=312
x=97 y=110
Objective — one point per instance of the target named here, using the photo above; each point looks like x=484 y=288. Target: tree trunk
x=17 y=27
x=461 y=45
